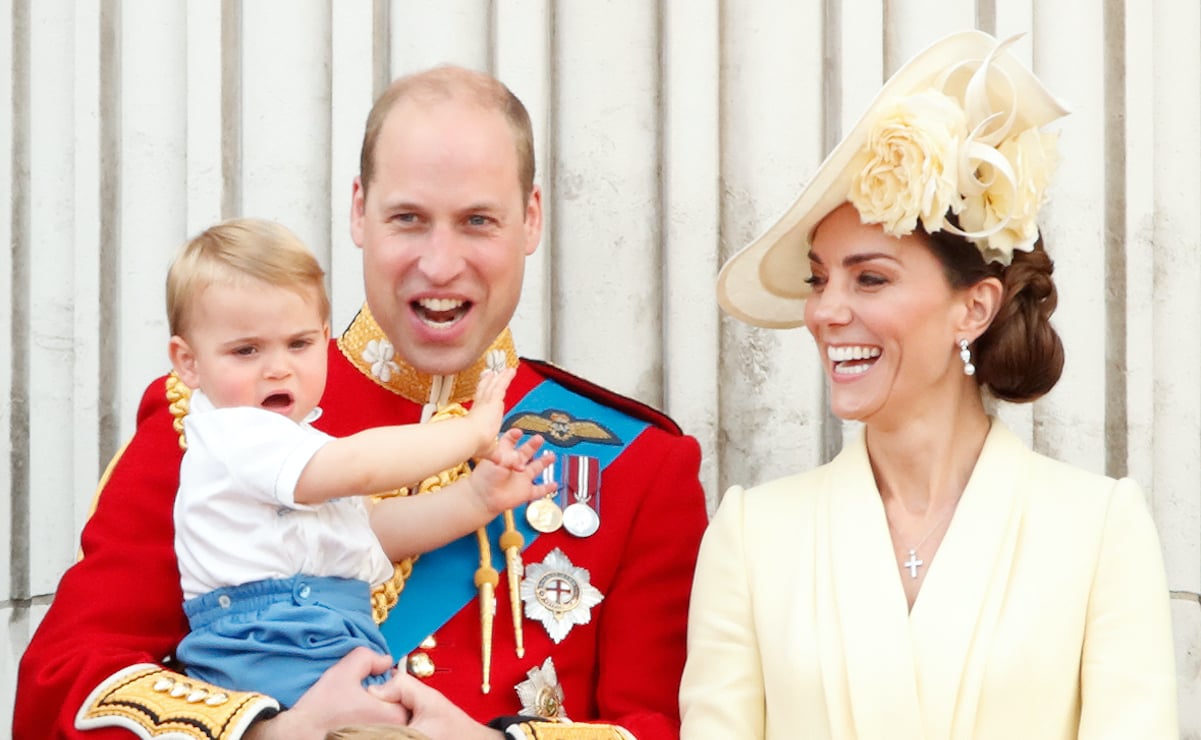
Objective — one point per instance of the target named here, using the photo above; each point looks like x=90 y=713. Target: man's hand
x=432 y=713
x=488 y=407
x=337 y=699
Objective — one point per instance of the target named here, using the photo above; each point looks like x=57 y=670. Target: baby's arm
x=384 y=458
x=410 y=525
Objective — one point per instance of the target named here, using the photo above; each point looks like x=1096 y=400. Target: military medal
x=581 y=482
x=581 y=520
x=558 y=594
x=544 y=514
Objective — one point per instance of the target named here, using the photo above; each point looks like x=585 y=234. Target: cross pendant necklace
x=913 y=563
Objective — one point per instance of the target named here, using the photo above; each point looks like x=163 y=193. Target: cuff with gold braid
x=534 y=728
x=158 y=704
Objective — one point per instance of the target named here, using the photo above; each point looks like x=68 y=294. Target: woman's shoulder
x=1050 y=482
x=1067 y=479
x=786 y=497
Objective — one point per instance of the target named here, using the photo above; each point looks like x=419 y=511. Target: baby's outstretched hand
x=488 y=407
x=506 y=478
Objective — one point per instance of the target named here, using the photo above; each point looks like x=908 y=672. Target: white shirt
x=236 y=518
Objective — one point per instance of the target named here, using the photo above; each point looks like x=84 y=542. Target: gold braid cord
x=154 y=703
x=385 y=595
x=179 y=395
x=568 y=731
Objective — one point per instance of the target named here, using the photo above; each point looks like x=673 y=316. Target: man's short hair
x=449 y=82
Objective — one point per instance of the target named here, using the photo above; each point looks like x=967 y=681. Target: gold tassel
x=511 y=542
x=486 y=579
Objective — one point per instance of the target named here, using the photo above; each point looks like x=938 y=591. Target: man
x=445 y=211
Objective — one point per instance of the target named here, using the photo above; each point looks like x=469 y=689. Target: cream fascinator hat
x=956 y=130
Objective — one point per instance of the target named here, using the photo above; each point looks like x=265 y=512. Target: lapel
x=956 y=612
x=867 y=659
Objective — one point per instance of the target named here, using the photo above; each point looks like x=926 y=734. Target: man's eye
x=478 y=220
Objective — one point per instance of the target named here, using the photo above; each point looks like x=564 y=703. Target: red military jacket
x=97 y=659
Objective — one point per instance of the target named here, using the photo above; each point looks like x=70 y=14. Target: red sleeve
x=121 y=604
x=642 y=634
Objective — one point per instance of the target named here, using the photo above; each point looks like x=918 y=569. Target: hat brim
x=765 y=283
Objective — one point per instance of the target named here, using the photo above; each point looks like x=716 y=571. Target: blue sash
x=443 y=581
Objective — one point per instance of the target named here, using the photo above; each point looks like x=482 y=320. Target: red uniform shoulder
x=600 y=394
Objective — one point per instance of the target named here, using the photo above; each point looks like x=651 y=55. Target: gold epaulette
x=179 y=397
x=157 y=704
x=567 y=731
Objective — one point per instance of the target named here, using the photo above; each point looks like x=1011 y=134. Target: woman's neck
x=923 y=464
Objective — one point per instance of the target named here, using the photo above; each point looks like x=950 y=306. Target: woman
x=937 y=579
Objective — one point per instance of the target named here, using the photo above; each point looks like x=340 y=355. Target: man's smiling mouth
x=440 y=312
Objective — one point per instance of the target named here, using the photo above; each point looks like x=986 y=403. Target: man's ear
x=183 y=359
x=981 y=303
x=533 y=221
x=358 y=211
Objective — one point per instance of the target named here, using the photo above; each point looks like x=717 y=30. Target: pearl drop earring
x=965 y=354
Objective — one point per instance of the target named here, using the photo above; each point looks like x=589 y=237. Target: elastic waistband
x=343 y=594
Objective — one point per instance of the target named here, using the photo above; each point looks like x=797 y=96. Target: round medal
x=544 y=515
x=581 y=520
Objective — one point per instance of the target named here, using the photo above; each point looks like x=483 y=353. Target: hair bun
x=1020 y=357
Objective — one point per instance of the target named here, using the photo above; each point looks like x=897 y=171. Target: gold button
x=428 y=643
x=421 y=665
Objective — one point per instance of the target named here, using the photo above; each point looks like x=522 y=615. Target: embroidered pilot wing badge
x=562 y=429
x=558 y=594
x=541 y=694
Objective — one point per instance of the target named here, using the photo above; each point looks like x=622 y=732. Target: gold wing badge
x=562 y=429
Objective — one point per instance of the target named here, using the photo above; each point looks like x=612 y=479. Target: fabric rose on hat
x=1008 y=211
x=912 y=165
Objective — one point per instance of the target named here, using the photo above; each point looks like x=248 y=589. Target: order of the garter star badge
x=558 y=594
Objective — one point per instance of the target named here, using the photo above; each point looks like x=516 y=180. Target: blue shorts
x=277 y=637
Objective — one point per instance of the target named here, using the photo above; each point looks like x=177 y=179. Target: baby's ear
x=183 y=360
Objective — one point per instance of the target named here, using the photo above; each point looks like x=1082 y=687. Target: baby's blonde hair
x=237 y=249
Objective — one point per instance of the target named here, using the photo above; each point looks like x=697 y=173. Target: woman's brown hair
x=1020 y=356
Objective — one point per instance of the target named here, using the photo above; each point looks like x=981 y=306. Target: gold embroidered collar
x=369 y=349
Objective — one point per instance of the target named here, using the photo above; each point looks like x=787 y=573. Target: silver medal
x=581 y=486
x=581 y=520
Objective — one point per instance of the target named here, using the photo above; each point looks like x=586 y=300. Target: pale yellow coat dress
x=1043 y=615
